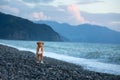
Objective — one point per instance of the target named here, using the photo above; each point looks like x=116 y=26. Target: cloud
x=3 y=2
x=89 y=1
x=115 y=22
x=39 y=16
x=75 y=12
x=6 y=9
x=39 y=1
x=109 y=20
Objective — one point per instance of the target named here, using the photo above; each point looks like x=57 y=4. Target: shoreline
x=19 y=65
x=91 y=65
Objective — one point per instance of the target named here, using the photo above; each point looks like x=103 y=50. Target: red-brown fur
x=39 y=45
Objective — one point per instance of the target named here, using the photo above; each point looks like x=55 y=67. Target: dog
x=39 y=51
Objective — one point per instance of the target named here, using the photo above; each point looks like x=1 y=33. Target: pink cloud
x=39 y=16
x=75 y=12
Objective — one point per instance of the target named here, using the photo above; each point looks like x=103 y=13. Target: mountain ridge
x=84 y=32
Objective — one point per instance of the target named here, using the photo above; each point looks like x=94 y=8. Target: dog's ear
x=37 y=43
x=42 y=43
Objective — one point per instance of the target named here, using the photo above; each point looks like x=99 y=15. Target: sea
x=104 y=58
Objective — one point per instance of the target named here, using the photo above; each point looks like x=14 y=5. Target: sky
x=75 y=12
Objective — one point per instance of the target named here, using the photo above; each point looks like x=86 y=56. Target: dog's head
x=40 y=44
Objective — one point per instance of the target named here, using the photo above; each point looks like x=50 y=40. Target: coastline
x=21 y=65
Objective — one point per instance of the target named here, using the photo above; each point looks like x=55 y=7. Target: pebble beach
x=21 y=65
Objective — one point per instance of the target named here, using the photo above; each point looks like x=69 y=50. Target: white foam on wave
x=86 y=63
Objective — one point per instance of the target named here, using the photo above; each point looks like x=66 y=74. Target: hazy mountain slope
x=85 y=32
